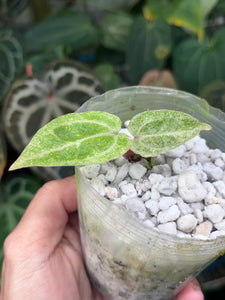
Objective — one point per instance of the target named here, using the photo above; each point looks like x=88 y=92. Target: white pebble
x=216 y=234
x=178 y=166
x=209 y=188
x=168 y=186
x=214 y=200
x=186 y=223
x=105 y=167
x=197 y=168
x=177 y=152
x=142 y=186
x=127 y=132
x=213 y=172
x=203 y=229
x=216 y=153
x=200 y=146
x=137 y=171
x=146 y=196
x=199 y=215
x=136 y=207
x=164 y=170
x=90 y=171
x=190 y=188
x=128 y=189
x=111 y=174
x=126 y=123
x=220 y=225
x=168 y=215
x=220 y=187
x=160 y=159
x=120 y=161
x=152 y=206
x=184 y=207
x=149 y=223
x=111 y=192
x=155 y=195
x=155 y=178
x=169 y=228
x=122 y=173
x=202 y=158
x=220 y=163
x=193 y=159
x=214 y=212
x=190 y=144
x=166 y=202
x=197 y=205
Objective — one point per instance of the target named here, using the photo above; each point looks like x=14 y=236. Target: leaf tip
x=205 y=126
x=16 y=165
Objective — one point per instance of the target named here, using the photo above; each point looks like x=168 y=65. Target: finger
x=44 y=221
x=191 y=291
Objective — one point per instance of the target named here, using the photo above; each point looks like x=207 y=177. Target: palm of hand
x=64 y=272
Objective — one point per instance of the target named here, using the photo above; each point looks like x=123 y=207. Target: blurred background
x=54 y=55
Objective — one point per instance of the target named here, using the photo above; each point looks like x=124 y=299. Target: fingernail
x=195 y=285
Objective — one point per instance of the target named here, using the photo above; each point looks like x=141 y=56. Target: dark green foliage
x=107 y=75
x=11 y=58
x=69 y=28
x=214 y=93
x=149 y=44
x=10 y=8
x=15 y=195
x=197 y=64
x=115 y=28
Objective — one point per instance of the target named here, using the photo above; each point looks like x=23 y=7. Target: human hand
x=43 y=258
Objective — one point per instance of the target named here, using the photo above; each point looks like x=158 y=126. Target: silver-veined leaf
x=76 y=139
x=157 y=131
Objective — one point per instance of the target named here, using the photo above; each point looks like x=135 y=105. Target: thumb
x=43 y=224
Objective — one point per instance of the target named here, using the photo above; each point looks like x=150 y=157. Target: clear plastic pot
x=124 y=258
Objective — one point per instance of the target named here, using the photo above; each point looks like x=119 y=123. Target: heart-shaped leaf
x=157 y=131
x=76 y=139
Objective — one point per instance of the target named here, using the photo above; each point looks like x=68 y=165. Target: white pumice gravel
x=183 y=194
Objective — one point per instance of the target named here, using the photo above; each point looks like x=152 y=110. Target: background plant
x=56 y=54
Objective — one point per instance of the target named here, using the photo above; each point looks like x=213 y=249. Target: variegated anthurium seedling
x=94 y=137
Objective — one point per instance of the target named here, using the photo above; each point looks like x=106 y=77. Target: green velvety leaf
x=69 y=28
x=149 y=45
x=75 y=139
x=107 y=75
x=115 y=28
x=189 y=14
x=158 y=131
x=197 y=64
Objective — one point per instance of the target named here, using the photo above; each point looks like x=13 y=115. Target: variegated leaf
x=157 y=131
x=75 y=139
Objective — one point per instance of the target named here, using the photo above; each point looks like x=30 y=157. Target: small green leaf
x=158 y=131
x=75 y=139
